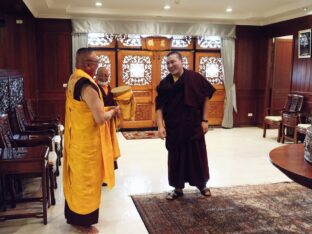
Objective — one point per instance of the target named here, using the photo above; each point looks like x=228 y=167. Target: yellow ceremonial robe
x=112 y=125
x=87 y=161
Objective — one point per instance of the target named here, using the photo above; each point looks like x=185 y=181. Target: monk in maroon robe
x=182 y=119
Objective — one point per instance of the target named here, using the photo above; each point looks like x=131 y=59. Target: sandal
x=174 y=195
x=205 y=191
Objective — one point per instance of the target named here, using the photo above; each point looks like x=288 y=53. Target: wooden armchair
x=35 y=118
x=292 y=117
x=47 y=130
x=32 y=120
x=293 y=105
x=26 y=126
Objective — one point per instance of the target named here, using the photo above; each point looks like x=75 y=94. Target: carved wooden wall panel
x=143 y=112
x=204 y=62
x=16 y=87
x=4 y=92
x=11 y=94
x=136 y=69
x=101 y=40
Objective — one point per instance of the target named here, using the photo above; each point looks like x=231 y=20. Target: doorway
x=280 y=73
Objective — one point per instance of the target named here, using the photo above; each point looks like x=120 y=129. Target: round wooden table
x=289 y=159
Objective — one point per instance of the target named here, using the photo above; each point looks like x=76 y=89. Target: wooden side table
x=23 y=161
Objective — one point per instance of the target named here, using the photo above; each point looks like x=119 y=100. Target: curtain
x=228 y=57
x=152 y=28
x=79 y=40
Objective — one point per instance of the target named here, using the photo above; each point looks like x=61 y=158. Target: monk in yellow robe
x=87 y=164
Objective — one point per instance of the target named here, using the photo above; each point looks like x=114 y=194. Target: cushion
x=274 y=118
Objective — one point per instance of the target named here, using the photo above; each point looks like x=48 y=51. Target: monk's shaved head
x=87 y=60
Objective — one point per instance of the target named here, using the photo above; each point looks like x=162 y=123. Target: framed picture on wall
x=304 y=43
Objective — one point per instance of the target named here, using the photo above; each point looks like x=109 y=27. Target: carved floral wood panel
x=181 y=41
x=100 y=39
x=212 y=69
x=130 y=40
x=143 y=112
x=16 y=86
x=4 y=95
x=208 y=42
x=136 y=70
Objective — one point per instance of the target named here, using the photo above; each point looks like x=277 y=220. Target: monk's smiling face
x=174 y=65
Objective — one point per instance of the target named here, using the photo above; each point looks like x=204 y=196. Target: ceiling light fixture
x=229 y=9
x=305 y=9
x=98 y=4
x=167 y=7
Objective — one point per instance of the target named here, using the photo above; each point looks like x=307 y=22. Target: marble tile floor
x=237 y=156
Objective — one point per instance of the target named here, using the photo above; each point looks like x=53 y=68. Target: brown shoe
x=174 y=195
x=205 y=191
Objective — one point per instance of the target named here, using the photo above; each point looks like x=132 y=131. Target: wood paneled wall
x=54 y=46
x=250 y=74
x=18 y=49
x=301 y=82
x=41 y=50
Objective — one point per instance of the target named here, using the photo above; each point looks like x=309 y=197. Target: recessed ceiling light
x=305 y=9
x=98 y=4
x=229 y=9
x=167 y=7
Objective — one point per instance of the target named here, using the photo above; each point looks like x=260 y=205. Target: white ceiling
x=245 y=12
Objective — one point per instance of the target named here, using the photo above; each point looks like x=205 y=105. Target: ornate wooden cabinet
x=137 y=69
x=140 y=62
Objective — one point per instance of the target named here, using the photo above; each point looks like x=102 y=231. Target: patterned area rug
x=135 y=135
x=273 y=208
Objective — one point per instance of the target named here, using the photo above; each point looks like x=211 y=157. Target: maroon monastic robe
x=182 y=106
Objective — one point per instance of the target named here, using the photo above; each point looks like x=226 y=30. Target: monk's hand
x=117 y=111
x=111 y=113
x=204 y=126
x=162 y=133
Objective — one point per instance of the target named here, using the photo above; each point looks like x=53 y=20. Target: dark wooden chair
x=293 y=105
x=35 y=118
x=26 y=126
x=24 y=123
x=292 y=117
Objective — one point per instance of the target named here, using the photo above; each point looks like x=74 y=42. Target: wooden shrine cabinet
x=143 y=66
